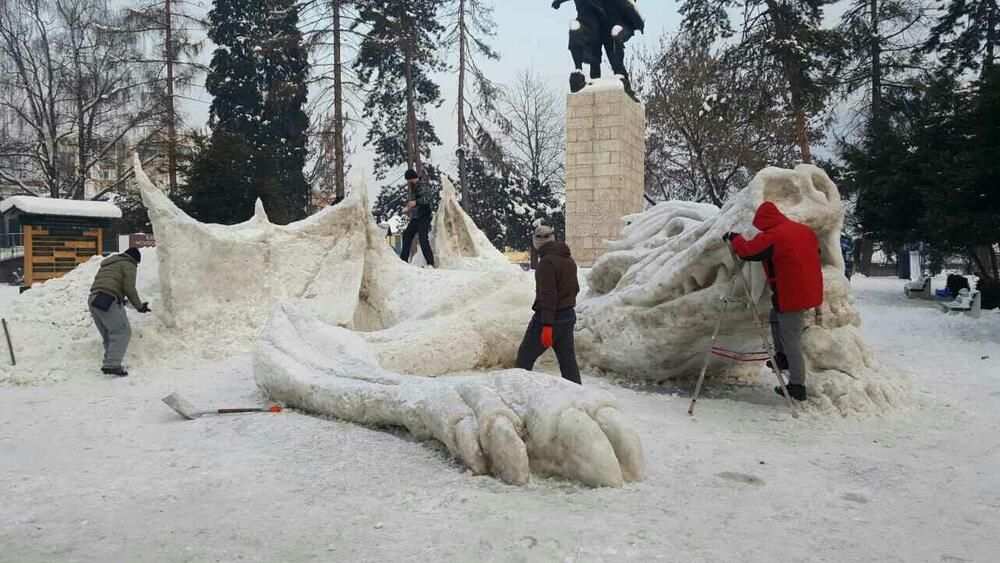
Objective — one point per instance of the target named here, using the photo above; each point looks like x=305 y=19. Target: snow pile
x=54 y=336
x=655 y=298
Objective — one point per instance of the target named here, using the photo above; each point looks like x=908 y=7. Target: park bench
x=968 y=302
x=920 y=288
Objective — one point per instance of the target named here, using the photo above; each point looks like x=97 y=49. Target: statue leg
x=577 y=80
x=615 y=48
x=595 y=67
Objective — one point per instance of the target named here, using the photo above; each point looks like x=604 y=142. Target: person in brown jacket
x=556 y=287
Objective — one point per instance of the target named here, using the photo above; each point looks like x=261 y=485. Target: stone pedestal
x=605 y=168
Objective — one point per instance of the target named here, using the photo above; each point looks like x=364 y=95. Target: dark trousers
x=419 y=226
x=562 y=343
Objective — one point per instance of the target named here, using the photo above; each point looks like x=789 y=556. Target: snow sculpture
x=355 y=328
x=654 y=298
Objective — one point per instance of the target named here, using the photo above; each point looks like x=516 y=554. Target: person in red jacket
x=790 y=255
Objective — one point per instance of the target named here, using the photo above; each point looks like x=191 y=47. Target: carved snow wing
x=352 y=321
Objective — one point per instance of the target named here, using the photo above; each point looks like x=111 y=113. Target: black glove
x=144 y=308
x=728 y=237
x=556 y=3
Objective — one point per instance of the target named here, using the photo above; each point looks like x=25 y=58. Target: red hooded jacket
x=790 y=253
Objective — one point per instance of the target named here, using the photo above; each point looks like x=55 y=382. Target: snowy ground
x=99 y=470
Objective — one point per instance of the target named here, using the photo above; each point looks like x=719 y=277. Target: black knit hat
x=133 y=253
x=411 y=174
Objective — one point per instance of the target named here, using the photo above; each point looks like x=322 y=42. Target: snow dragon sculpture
x=355 y=328
x=655 y=297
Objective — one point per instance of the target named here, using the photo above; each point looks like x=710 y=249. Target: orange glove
x=547 y=336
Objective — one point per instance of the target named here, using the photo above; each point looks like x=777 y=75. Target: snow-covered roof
x=66 y=207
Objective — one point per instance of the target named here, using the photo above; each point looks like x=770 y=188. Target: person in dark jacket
x=790 y=255
x=556 y=287
x=113 y=284
x=419 y=208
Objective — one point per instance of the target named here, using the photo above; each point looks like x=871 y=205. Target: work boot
x=798 y=392
x=782 y=362
x=119 y=371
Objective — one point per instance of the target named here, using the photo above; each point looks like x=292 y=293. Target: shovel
x=190 y=412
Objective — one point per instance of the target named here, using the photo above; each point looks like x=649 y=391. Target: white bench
x=968 y=302
x=920 y=288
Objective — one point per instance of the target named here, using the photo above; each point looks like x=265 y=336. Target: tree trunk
x=865 y=256
x=78 y=190
x=463 y=173
x=993 y=15
x=876 y=63
x=412 y=144
x=338 y=105
x=168 y=42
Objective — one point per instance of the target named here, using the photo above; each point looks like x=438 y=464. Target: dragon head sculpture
x=656 y=296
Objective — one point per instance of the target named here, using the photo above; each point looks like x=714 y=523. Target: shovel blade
x=182 y=406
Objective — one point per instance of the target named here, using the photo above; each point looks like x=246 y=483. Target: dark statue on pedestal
x=606 y=24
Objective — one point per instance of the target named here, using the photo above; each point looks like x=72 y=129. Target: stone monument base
x=605 y=166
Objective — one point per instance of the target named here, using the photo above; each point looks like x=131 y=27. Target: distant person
x=113 y=284
x=790 y=255
x=847 y=250
x=419 y=208
x=556 y=287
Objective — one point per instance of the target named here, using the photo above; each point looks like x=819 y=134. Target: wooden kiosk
x=58 y=234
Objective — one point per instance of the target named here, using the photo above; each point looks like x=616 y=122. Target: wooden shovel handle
x=255 y=409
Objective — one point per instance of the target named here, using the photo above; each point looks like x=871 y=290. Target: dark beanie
x=133 y=253
x=411 y=174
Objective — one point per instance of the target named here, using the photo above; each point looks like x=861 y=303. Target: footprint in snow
x=741 y=478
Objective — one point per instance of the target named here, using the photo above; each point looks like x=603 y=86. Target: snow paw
x=505 y=423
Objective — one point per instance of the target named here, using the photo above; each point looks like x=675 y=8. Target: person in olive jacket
x=556 y=287
x=113 y=284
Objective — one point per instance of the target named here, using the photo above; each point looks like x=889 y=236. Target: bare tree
x=173 y=57
x=471 y=27
x=533 y=124
x=711 y=124
x=332 y=40
x=70 y=92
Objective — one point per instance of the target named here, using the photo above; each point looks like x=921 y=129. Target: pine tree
x=258 y=144
x=786 y=36
x=471 y=27
x=967 y=34
x=395 y=61
x=492 y=191
x=223 y=183
x=284 y=70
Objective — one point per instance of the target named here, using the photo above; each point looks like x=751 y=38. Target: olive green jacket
x=117 y=277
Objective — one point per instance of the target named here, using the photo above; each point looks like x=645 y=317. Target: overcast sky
x=530 y=34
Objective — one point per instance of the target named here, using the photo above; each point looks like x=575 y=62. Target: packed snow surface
x=97 y=469
x=51 y=206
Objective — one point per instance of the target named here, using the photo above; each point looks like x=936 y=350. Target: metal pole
x=10 y=347
x=711 y=345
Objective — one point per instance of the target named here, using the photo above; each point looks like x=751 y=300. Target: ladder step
x=735 y=356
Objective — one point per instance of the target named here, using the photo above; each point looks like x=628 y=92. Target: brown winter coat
x=556 y=284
